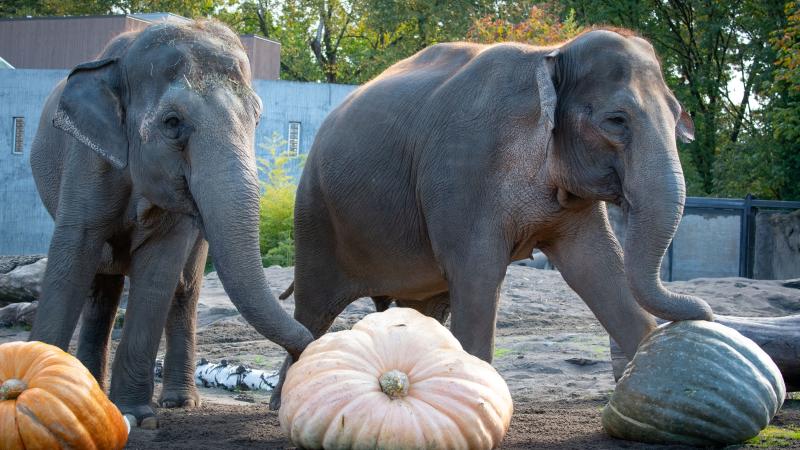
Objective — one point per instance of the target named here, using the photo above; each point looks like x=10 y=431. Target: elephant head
x=615 y=124
x=172 y=109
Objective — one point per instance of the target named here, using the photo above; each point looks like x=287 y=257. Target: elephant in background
x=425 y=183
x=145 y=158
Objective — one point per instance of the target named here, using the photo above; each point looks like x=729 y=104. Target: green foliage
x=276 y=228
x=542 y=26
x=772 y=437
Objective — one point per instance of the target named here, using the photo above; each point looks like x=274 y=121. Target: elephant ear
x=91 y=110
x=684 y=129
x=547 y=91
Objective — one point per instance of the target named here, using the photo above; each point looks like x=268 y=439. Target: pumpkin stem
x=394 y=384
x=11 y=389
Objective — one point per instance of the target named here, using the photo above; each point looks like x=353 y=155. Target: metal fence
x=746 y=209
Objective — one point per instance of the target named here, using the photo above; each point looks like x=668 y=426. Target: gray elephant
x=144 y=158
x=425 y=183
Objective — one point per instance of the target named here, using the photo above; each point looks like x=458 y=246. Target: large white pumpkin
x=696 y=383
x=398 y=379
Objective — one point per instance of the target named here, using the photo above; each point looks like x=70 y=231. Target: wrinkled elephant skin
x=144 y=158
x=426 y=182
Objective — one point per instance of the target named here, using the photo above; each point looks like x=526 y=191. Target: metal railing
x=746 y=208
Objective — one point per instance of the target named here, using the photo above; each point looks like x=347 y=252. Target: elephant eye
x=172 y=122
x=173 y=127
x=615 y=124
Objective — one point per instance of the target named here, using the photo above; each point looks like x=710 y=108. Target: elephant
x=426 y=182
x=145 y=159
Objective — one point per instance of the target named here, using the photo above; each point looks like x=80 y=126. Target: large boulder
x=22 y=282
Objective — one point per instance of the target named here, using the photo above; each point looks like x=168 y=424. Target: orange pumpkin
x=49 y=400
x=398 y=379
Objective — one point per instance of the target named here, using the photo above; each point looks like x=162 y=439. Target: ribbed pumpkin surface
x=61 y=405
x=695 y=383
x=333 y=396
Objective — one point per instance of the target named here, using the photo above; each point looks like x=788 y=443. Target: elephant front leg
x=71 y=265
x=590 y=259
x=97 y=323
x=474 y=277
x=179 y=388
x=154 y=274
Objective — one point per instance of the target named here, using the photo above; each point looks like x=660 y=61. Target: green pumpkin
x=695 y=383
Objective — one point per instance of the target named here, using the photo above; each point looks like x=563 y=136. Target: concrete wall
x=777 y=245
x=706 y=245
x=25 y=226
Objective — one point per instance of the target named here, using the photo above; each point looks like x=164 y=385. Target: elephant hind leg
x=437 y=306
x=97 y=323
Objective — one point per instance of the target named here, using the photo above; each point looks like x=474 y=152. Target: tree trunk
x=779 y=337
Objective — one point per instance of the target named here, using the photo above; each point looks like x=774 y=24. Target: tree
x=784 y=114
x=542 y=26
x=351 y=41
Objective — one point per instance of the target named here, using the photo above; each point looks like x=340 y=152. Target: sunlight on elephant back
x=49 y=400
x=398 y=379
x=695 y=383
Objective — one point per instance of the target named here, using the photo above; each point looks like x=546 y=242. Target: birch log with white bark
x=229 y=376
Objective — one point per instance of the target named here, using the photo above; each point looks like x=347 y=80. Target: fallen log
x=779 y=337
x=229 y=376
x=18 y=314
x=22 y=282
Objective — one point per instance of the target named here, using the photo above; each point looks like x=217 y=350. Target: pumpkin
x=398 y=379
x=695 y=383
x=49 y=400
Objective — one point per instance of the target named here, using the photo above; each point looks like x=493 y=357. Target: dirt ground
x=549 y=348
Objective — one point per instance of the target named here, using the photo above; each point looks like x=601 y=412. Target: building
x=64 y=42
x=292 y=113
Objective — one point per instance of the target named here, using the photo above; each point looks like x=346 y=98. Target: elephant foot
x=179 y=398
x=275 y=400
x=141 y=416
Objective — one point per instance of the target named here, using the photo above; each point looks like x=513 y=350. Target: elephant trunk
x=226 y=191
x=656 y=193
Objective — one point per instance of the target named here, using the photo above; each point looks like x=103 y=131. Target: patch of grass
x=501 y=352
x=773 y=436
x=596 y=347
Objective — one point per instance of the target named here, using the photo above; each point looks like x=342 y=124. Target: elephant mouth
x=183 y=201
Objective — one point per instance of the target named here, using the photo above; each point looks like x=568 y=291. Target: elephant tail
x=287 y=292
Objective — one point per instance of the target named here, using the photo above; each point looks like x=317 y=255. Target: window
x=294 y=138
x=19 y=133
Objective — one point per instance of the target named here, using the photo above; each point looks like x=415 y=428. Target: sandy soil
x=549 y=348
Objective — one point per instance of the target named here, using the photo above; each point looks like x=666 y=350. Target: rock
x=582 y=361
x=794 y=284
x=23 y=283
x=18 y=314
x=11 y=262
